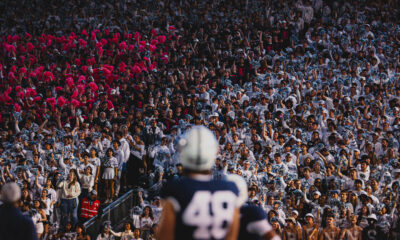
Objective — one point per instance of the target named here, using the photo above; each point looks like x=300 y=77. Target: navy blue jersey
x=204 y=208
x=14 y=225
x=253 y=223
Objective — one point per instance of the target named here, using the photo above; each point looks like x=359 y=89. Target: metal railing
x=116 y=212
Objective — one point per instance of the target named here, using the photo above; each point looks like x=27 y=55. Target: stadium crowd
x=303 y=97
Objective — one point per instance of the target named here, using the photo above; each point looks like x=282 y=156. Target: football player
x=196 y=206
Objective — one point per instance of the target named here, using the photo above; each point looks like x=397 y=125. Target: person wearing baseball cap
x=310 y=229
x=291 y=231
x=295 y=216
x=373 y=230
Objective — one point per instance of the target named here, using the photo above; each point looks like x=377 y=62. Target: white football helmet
x=198 y=149
x=241 y=185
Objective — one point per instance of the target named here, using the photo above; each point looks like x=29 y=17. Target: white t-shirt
x=96 y=163
x=146 y=221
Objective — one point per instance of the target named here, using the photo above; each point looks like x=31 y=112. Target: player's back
x=253 y=223
x=204 y=207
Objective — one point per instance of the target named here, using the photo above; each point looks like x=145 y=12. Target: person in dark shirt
x=372 y=231
x=254 y=224
x=14 y=225
x=189 y=200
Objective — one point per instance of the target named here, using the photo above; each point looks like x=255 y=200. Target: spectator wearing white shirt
x=96 y=163
x=127 y=152
x=70 y=190
x=110 y=174
x=161 y=154
x=119 y=154
x=86 y=179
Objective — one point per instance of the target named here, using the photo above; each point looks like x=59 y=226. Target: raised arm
x=166 y=230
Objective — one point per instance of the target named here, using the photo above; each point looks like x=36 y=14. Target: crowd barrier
x=116 y=212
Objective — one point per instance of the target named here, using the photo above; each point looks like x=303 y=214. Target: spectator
x=126 y=234
x=146 y=222
x=372 y=230
x=69 y=190
x=137 y=234
x=105 y=233
x=310 y=229
x=86 y=179
x=290 y=231
x=330 y=231
x=67 y=232
x=81 y=232
x=110 y=173
x=41 y=219
x=90 y=206
x=354 y=231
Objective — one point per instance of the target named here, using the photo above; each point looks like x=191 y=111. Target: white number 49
x=211 y=213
